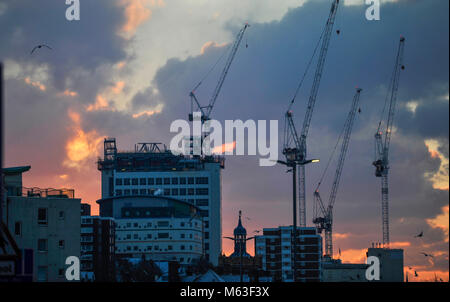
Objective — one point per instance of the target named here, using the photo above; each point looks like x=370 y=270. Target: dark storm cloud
x=79 y=47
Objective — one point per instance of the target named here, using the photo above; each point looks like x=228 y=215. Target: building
x=391 y=263
x=333 y=270
x=151 y=169
x=157 y=228
x=85 y=209
x=46 y=221
x=274 y=246
x=97 y=248
x=230 y=267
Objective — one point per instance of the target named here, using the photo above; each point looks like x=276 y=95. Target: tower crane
x=325 y=221
x=207 y=109
x=295 y=146
x=381 y=162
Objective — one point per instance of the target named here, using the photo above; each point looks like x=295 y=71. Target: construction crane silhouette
x=324 y=219
x=381 y=162
x=294 y=145
x=207 y=109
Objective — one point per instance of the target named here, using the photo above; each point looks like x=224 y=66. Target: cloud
x=441 y=221
x=211 y=44
x=82 y=145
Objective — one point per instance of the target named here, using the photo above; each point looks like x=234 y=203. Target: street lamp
x=292 y=161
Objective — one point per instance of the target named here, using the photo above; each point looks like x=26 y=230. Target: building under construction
x=151 y=169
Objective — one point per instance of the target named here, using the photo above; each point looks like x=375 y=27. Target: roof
x=240 y=230
x=16 y=170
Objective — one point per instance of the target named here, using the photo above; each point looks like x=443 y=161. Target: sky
x=126 y=68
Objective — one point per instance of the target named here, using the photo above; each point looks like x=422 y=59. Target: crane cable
x=212 y=68
x=331 y=157
x=306 y=71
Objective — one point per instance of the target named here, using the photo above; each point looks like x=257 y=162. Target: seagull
x=257 y=231
x=427 y=255
x=415 y=274
x=40 y=46
x=419 y=235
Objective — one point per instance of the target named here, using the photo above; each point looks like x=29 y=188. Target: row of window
x=165 y=192
x=160 y=224
x=158 y=236
x=160 y=181
x=156 y=248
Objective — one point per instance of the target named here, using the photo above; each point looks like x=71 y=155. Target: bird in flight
x=40 y=46
x=419 y=235
x=427 y=255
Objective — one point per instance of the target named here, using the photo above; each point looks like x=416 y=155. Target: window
x=204 y=213
x=182 y=236
x=61 y=215
x=60 y=272
x=206 y=235
x=42 y=245
x=159 y=181
x=183 y=191
x=135 y=248
x=167 y=181
x=143 y=191
x=128 y=236
x=134 y=181
x=135 y=191
x=163 y=223
x=169 y=247
x=18 y=228
x=202 y=202
x=61 y=244
x=118 y=181
x=118 y=192
x=174 y=180
x=201 y=180
x=163 y=235
x=182 y=180
x=191 y=191
x=202 y=191
x=135 y=236
x=126 y=182
x=167 y=192
x=174 y=192
x=182 y=247
x=149 y=248
x=190 y=180
x=143 y=181
x=42 y=216
x=149 y=236
x=151 y=181
x=126 y=192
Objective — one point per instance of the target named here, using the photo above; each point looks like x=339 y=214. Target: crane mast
x=381 y=162
x=326 y=222
x=292 y=136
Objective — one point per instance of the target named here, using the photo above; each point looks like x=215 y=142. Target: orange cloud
x=211 y=44
x=82 y=145
x=118 y=87
x=136 y=13
x=227 y=147
x=70 y=93
x=341 y=236
x=35 y=84
x=120 y=65
x=157 y=110
x=100 y=104
x=441 y=221
x=353 y=256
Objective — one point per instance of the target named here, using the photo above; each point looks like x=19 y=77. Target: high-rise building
x=275 y=248
x=46 y=221
x=152 y=170
x=97 y=248
x=391 y=263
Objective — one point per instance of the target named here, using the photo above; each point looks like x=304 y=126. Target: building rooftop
x=16 y=170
